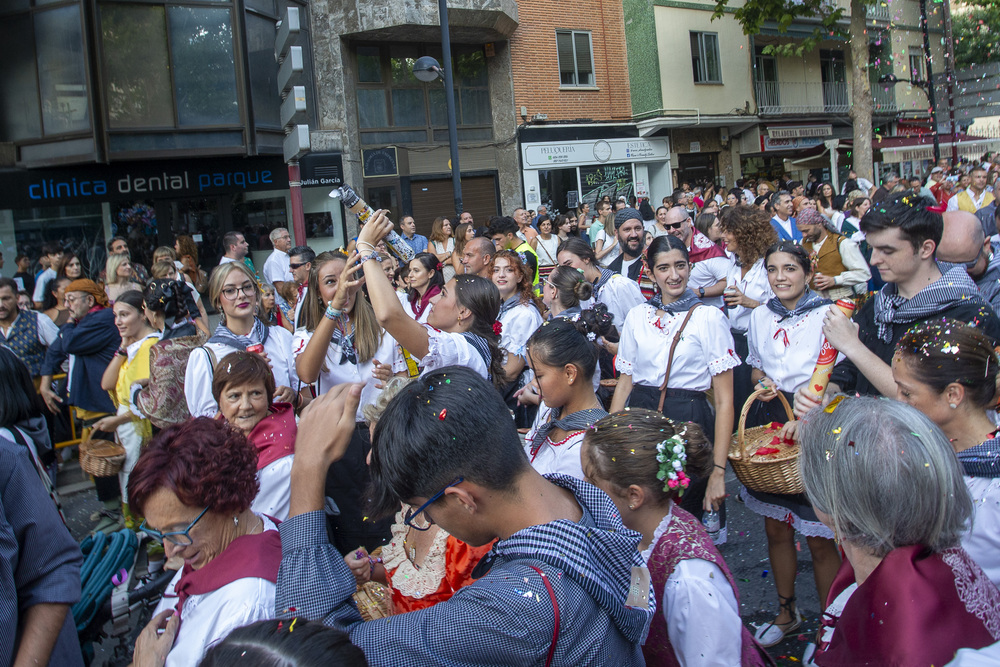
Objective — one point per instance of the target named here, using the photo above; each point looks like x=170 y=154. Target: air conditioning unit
x=540 y=116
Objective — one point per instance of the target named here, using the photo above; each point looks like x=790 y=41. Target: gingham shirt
x=504 y=618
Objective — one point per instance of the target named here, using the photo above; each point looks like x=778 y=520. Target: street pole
x=949 y=70
x=930 y=80
x=295 y=194
x=449 y=97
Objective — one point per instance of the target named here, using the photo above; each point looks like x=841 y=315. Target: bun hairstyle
x=662 y=244
x=621 y=449
x=571 y=285
x=945 y=351
x=482 y=298
x=563 y=341
x=133 y=298
x=168 y=297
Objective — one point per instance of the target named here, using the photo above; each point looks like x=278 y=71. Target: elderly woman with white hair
x=885 y=479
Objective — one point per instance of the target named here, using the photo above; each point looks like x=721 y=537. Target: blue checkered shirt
x=504 y=618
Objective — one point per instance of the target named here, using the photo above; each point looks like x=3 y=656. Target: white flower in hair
x=591 y=336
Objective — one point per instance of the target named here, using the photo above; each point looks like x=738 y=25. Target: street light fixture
x=428 y=69
x=928 y=89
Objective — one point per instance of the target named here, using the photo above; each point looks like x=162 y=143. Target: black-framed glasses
x=411 y=515
x=232 y=292
x=181 y=538
x=294 y=265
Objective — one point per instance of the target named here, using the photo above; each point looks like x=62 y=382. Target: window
x=576 y=58
x=395 y=107
x=705 y=57
x=916 y=64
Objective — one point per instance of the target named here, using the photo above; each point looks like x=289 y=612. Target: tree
x=976 y=31
x=828 y=21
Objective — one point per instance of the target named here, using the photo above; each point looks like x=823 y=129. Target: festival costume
x=29 y=337
x=200 y=369
x=549 y=456
x=274 y=439
x=89 y=345
x=507 y=615
x=617 y=293
x=456 y=349
x=419 y=307
x=839 y=258
x=982 y=477
x=915 y=609
x=709 y=265
x=446 y=568
x=134 y=434
x=234 y=589
x=699 y=614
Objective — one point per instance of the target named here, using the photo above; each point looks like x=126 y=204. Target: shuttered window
x=576 y=58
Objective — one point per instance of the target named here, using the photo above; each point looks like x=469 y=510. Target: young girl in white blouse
x=520 y=315
x=675 y=332
x=424 y=281
x=462 y=327
x=612 y=289
x=563 y=354
x=784 y=340
x=645 y=463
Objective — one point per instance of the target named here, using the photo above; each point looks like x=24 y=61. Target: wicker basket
x=101 y=458
x=779 y=474
x=374 y=600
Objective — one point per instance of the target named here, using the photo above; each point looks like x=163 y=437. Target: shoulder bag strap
x=555 y=608
x=670 y=359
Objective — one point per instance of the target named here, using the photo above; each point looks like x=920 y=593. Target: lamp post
x=928 y=89
x=427 y=69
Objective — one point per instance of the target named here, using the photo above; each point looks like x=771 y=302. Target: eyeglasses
x=179 y=537
x=411 y=515
x=293 y=265
x=232 y=292
x=673 y=225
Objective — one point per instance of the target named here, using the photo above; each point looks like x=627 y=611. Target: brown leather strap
x=670 y=359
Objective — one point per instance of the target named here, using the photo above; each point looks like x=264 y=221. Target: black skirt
x=682 y=405
x=742 y=382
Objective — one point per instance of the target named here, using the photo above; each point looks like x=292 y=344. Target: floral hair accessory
x=438 y=266
x=591 y=336
x=672 y=455
x=497 y=328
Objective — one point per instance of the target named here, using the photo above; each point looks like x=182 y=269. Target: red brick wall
x=535 y=66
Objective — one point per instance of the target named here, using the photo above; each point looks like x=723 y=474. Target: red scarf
x=274 y=435
x=250 y=556
x=420 y=304
x=702 y=248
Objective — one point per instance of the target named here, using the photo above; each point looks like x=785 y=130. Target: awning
x=904 y=149
x=818 y=157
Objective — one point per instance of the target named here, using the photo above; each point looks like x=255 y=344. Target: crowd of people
x=523 y=432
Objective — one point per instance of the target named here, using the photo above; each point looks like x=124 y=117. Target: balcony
x=878 y=11
x=778 y=98
x=883 y=99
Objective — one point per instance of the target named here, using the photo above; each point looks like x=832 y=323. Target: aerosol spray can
x=396 y=245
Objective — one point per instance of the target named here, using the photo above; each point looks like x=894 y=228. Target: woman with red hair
x=520 y=316
x=194 y=483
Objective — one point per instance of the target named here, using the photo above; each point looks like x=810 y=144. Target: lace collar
x=658 y=533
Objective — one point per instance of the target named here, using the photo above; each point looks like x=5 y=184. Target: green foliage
x=827 y=18
x=976 y=30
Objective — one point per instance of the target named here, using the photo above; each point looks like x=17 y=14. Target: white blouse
x=562 y=457
x=200 y=371
x=699 y=606
x=754 y=285
x=786 y=351
x=547 y=250
x=275 y=496
x=705 y=348
x=620 y=295
x=451 y=349
x=208 y=618
x=983 y=539
x=408 y=307
x=518 y=324
x=333 y=372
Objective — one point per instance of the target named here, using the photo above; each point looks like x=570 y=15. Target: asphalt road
x=745 y=553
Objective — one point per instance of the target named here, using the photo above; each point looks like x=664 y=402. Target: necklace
x=411 y=554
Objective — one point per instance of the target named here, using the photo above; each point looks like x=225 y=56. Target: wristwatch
x=701 y=292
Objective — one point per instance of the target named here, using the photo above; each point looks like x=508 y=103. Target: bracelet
x=122 y=351
x=371 y=563
x=761 y=382
x=332 y=313
x=722 y=468
x=361 y=243
x=373 y=255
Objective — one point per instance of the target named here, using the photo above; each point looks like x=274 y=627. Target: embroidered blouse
x=451 y=349
x=786 y=350
x=562 y=456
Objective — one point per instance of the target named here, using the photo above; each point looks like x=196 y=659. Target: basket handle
x=741 y=431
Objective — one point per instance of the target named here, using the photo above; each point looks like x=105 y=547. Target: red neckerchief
x=250 y=556
x=274 y=436
x=419 y=305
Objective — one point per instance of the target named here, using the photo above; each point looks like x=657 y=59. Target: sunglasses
x=673 y=225
x=293 y=265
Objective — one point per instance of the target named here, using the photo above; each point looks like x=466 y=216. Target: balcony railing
x=883 y=99
x=775 y=98
x=878 y=11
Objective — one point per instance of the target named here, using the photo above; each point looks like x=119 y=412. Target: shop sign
x=28 y=188
x=321 y=170
x=379 y=162
x=771 y=144
x=800 y=132
x=576 y=153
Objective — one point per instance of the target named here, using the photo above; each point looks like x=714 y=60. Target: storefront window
x=135 y=58
x=614 y=180
x=79 y=229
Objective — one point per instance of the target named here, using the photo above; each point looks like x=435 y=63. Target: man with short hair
x=466 y=219
x=542 y=210
x=28 y=334
x=560 y=571
x=503 y=233
x=24 y=278
x=839 y=264
x=974 y=197
x=89 y=341
x=890 y=181
x=52 y=255
x=408 y=230
x=276 y=268
x=235 y=248
x=965 y=243
x=300 y=259
x=597 y=226
x=904 y=236
x=477 y=258
x=631 y=239
x=709 y=263
x=863 y=183
x=118 y=245
x=783 y=222
x=524 y=229
x=796 y=189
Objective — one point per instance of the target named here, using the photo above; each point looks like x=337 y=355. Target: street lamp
x=427 y=69
x=928 y=89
